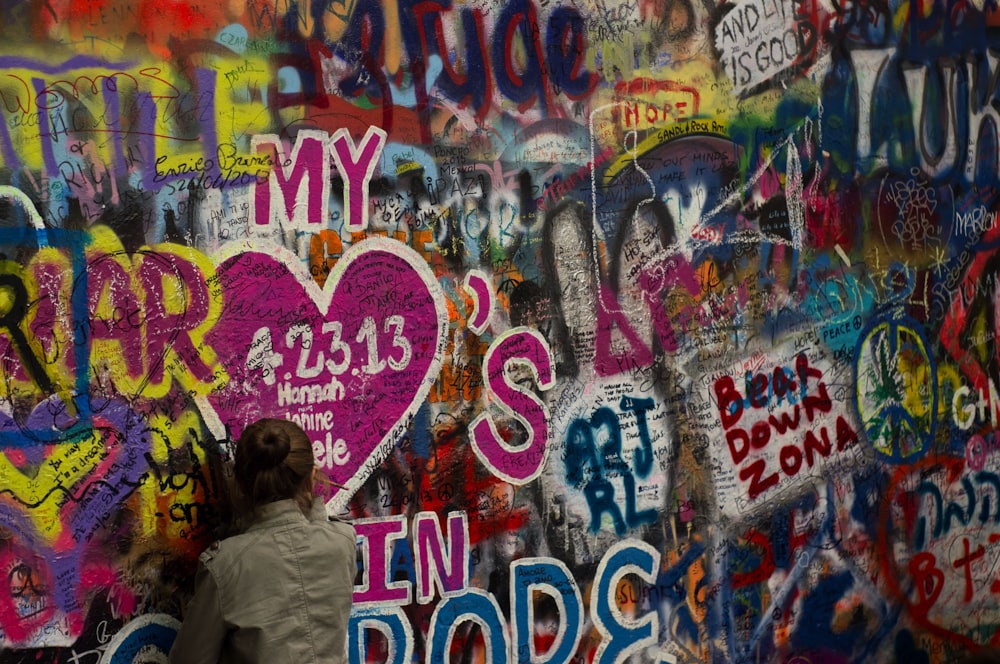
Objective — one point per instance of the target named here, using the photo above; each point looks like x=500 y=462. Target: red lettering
x=730 y=401
x=738 y=436
x=758 y=483
x=812 y=445
x=846 y=436
x=966 y=562
x=791 y=459
x=782 y=383
x=928 y=579
x=766 y=567
x=820 y=402
x=631 y=114
x=804 y=371
x=995 y=586
x=786 y=422
x=757 y=390
x=760 y=434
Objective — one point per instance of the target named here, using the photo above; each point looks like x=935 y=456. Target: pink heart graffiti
x=350 y=363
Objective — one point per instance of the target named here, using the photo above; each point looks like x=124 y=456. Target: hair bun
x=274 y=461
x=273 y=450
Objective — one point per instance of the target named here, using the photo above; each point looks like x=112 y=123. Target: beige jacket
x=278 y=593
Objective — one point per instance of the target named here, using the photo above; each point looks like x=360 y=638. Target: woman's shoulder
x=227 y=549
x=341 y=528
x=319 y=515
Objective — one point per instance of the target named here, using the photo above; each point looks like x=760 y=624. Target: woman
x=281 y=591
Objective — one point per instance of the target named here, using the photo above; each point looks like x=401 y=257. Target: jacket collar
x=278 y=513
x=318 y=511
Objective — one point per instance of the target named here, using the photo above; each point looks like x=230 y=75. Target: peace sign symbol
x=896 y=388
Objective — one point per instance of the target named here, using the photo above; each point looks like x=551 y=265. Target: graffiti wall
x=636 y=331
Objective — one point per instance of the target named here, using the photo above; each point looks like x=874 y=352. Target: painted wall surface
x=647 y=331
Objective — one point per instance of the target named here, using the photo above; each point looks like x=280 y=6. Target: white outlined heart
x=351 y=362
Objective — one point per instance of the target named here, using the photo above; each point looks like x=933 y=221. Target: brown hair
x=985 y=656
x=274 y=461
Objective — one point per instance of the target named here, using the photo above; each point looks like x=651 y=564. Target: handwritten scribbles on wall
x=57 y=496
x=658 y=330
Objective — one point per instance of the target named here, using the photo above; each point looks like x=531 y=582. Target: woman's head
x=274 y=461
